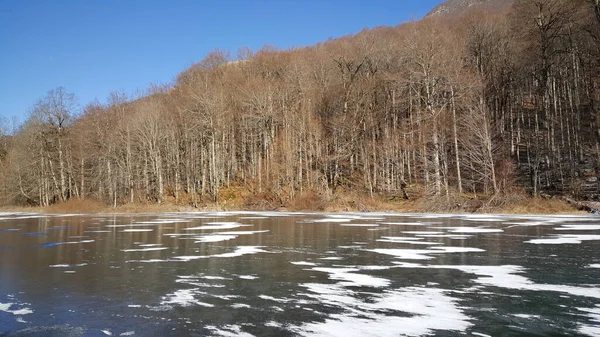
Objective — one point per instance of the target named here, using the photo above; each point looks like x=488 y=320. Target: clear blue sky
x=92 y=47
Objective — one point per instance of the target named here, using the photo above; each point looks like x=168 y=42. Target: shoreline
x=522 y=205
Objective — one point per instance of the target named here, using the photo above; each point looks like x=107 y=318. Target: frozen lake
x=298 y=274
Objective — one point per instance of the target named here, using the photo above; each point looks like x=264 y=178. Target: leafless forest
x=478 y=103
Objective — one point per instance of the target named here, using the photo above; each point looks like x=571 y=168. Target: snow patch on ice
x=480 y=334
x=332 y=258
x=185 y=298
x=240 y=305
x=239 y=251
x=447 y=249
x=578 y=228
x=564 y=239
x=6 y=307
x=228 y=331
x=273 y=324
x=67 y=265
x=333 y=220
x=594 y=316
x=304 y=263
x=429 y=310
x=405 y=254
x=218 y=226
x=423 y=233
x=274 y=299
x=248 y=277
x=449 y=236
x=241 y=232
x=214 y=238
x=350 y=278
x=507 y=276
x=406 y=223
x=472 y=230
x=423 y=254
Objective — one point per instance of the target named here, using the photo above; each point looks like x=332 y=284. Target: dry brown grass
x=240 y=198
x=541 y=206
x=142 y=208
x=307 y=201
x=353 y=201
x=76 y=206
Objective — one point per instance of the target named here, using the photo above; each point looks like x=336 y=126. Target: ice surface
x=53 y=244
x=483 y=219
x=341 y=220
x=527 y=224
x=422 y=243
x=359 y=225
x=134 y=230
x=407 y=240
x=242 y=250
x=149 y=249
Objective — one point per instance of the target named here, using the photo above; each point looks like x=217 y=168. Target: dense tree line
x=475 y=103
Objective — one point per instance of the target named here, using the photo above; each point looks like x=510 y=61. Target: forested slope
x=476 y=102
